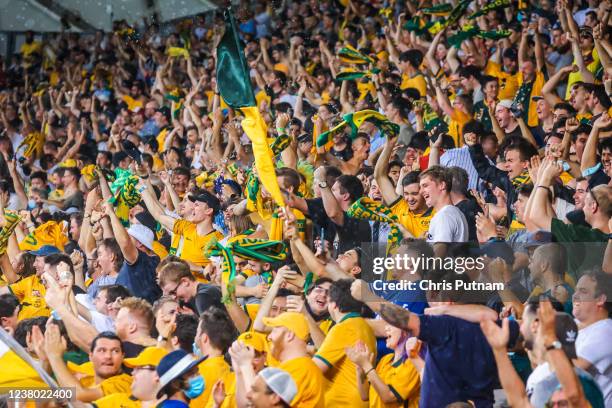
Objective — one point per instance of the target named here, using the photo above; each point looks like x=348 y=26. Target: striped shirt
x=460 y=157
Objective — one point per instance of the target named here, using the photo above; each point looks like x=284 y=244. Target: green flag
x=233 y=78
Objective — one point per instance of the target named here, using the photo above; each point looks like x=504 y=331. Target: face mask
x=196 y=350
x=31 y=204
x=196 y=387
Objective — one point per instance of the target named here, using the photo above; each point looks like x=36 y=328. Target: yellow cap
x=294 y=321
x=85 y=368
x=254 y=339
x=151 y=356
x=68 y=163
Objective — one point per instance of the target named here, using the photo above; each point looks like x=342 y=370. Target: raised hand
x=497 y=337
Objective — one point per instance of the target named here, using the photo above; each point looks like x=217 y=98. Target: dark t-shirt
x=460 y=363
x=207 y=296
x=353 y=233
x=469 y=208
x=139 y=278
x=76 y=200
x=132 y=350
x=585 y=246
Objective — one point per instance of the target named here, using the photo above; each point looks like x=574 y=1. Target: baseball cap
x=208 y=198
x=86 y=368
x=151 y=356
x=495 y=249
x=537 y=98
x=174 y=365
x=506 y=103
x=164 y=110
x=566 y=331
x=146 y=219
x=280 y=382
x=255 y=340
x=143 y=234
x=45 y=250
x=293 y=321
x=538 y=238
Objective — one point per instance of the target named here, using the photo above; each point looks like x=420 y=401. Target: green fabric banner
x=233 y=78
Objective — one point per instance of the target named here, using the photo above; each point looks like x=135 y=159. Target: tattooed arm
x=399 y=317
x=394 y=315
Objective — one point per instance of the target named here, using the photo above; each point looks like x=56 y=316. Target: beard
x=562 y=49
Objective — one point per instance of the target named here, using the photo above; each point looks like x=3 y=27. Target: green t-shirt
x=585 y=246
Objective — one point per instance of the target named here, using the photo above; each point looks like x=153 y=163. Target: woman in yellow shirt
x=394 y=382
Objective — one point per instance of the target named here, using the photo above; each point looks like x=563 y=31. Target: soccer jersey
x=31 y=294
x=117 y=400
x=309 y=381
x=416 y=224
x=403 y=380
x=193 y=243
x=341 y=380
x=212 y=369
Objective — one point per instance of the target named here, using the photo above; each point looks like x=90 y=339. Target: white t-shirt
x=593 y=345
x=448 y=225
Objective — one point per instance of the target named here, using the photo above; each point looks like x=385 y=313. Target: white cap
x=280 y=382
x=143 y=234
x=506 y=103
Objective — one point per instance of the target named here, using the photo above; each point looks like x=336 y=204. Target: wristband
x=281 y=130
x=545 y=187
x=369 y=371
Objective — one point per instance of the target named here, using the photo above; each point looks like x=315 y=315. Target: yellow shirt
x=577 y=76
x=229 y=383
x=416 y=224
x=194 y=244
x=536 y=90
x=326 y=325
x=455 y=128
x=20 y=374
x=112 y=385
x=31 y=294
x=117 y=400
x=212 y=369
x=341 y=378
x=508 y=83
x=403 y=379
x=27 y=49
x=417 y=82
x=309 y=381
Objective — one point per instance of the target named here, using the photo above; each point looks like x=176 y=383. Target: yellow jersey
x=212 y=369
x=20 y=374
x=536 y=90
x=194 y=244
x=416 y=224
x=508 y=83
x=309 y=381
x=117 y=400
x=341 y=378
x=31 y=294
x=417 y=82
x=574 y=77
x=112 y=385
x=229 y=384
x=402 y=378
x=455 y=128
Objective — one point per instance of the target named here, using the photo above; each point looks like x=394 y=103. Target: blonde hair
x=141 y=309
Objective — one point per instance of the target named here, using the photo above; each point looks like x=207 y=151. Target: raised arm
x=589 y=156
x=381 y=170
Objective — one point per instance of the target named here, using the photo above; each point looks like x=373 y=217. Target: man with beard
x=288 y=340
x=411 y=210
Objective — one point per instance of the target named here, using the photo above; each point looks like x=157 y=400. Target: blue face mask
x=196 y=387
x=196 y=350
x=31 y=204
